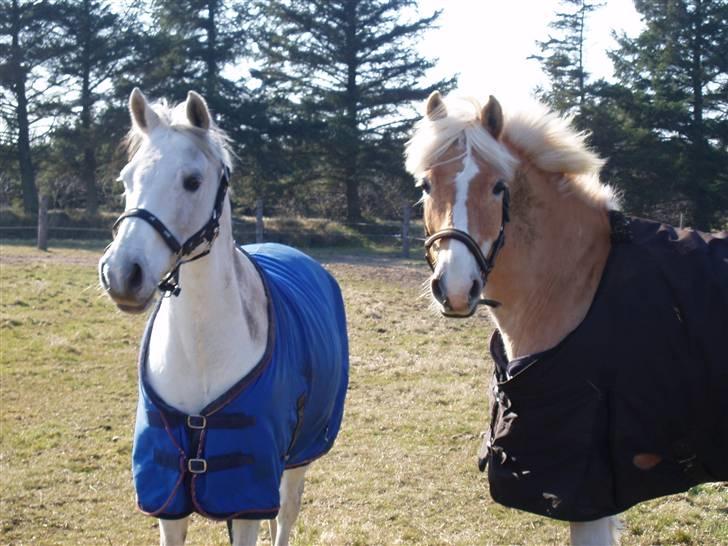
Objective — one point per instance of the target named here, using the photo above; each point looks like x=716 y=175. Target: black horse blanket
x=633 y=404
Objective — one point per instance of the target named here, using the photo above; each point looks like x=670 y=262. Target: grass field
x=402 y=472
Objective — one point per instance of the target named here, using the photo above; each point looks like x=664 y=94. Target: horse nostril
x=437 y=291
x=135 y=278
x=475 y=291
x=104 y=275
x=439 y=294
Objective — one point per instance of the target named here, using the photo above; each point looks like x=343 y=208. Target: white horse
x=591 y=307
x=214 y=333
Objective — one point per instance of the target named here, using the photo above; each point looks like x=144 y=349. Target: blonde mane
x=544 y=138
x=214 y=142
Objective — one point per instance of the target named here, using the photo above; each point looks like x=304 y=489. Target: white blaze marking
x=462 y=184
x=461 y=265
x=462 y=189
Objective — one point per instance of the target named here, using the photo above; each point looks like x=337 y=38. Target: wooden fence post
x=259 y=221
x=43 y=223
x=406 y=216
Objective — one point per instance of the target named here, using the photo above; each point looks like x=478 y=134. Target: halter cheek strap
x=206 y=234
x=485 y=263
x=153 y=221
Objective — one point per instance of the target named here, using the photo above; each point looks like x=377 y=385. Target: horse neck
x=214 y=332
x=549 y=269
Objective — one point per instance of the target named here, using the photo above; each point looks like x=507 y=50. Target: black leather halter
x=206 y=234
x=485 y=263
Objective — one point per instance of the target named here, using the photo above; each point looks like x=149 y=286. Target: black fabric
x=169 y=459
x=646 y=372
x=231 y=420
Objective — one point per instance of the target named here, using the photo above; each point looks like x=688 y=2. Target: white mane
x=433 y=137
x=543 y=137
x=213 y=142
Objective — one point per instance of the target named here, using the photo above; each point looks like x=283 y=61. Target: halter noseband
x=485 y=263
x=206 y=234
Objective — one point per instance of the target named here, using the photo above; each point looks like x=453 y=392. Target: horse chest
x=190 y=364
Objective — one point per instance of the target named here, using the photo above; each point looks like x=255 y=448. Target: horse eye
x=424 y=184
x=191 y=183
x=499 y=187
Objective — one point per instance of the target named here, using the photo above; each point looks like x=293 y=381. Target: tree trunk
x=211 y=60
x=700 y=148
x=582 y=92
x=696 y=77
x=351 y=129
x=27 y=174
x=353 y=204
x=88 y=165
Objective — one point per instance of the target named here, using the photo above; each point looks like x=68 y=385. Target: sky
x=488 y=42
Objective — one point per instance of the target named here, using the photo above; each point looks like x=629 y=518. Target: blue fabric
x=285 y=413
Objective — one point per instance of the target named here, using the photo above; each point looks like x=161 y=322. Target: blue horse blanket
x=227 y=462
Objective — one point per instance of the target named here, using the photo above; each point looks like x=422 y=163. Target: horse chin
x=135 y=308
x=465 y=313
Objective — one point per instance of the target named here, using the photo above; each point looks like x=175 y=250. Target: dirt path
x=17 y=255
x=376 y=267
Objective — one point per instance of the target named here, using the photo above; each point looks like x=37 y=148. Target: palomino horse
x=612 y=332
x=244 y=364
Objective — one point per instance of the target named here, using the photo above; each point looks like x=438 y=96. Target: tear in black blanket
x=641 y=382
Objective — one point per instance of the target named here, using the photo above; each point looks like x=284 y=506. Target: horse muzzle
x=127 y=283
x=457 y=304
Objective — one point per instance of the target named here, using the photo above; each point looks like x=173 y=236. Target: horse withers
x=243 y=368
x=612 y=332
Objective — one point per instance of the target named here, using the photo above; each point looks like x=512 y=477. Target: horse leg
x=273 y=529
x=245 y=532
x=173 y=532
x=600 y=532
x=291 y=492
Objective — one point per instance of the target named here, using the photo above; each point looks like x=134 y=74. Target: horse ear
x=435 y=107
x=142 y=115
x=492 y=117
x=197 y=112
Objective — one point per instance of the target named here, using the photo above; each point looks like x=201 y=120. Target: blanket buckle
x=196 y=422
x=197 y=466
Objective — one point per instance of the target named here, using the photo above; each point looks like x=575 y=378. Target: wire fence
x=292 y=231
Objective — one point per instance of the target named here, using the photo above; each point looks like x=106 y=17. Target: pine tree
x=676 y=72
x=347 y=68
x=98 y=44
x=562 y=57
x=29 y=31
x=200 y=38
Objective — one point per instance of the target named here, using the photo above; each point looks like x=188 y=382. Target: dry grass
x=402 y=472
